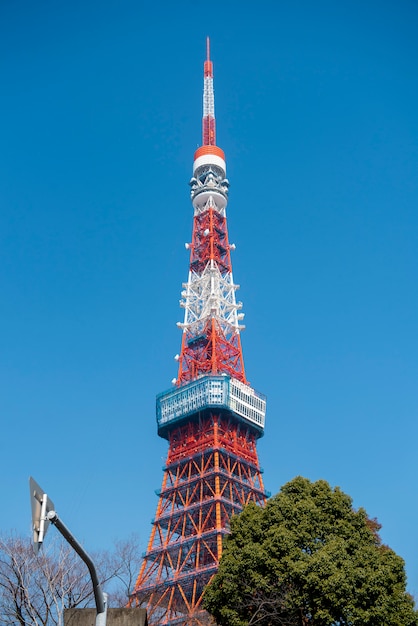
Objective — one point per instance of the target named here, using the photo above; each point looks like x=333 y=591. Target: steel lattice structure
x=211 y=418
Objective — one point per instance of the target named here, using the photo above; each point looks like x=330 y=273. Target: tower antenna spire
x=208 y=123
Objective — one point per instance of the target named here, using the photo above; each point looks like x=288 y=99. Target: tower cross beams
x=188 y=513
x=211 y=550
x=202 y=484
x=165 y=535
x=185 y=599
x=187 y=557
x=211 y=294
x=210 y=241
x=211 y=352
x=167 y=507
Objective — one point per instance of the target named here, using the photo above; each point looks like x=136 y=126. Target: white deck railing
x=212 y=392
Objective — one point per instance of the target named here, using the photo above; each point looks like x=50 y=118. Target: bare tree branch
x=35 y=590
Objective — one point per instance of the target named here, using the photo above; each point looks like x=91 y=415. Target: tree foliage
x=308 y=559
x=35 y=590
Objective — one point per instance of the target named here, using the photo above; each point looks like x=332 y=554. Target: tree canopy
x=308 y=559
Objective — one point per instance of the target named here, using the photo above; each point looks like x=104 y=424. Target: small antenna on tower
x=208 y=125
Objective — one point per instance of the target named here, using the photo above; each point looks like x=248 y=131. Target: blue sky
x=100 y=115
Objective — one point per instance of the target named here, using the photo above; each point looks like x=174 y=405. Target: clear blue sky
x=100 y=113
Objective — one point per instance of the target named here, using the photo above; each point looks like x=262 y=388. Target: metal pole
x=99 y=597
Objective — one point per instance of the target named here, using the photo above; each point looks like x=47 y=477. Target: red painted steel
x=213 y=150
x=211 y=473
x=209 y=130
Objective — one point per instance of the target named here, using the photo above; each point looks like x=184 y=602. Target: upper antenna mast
x=208 y=125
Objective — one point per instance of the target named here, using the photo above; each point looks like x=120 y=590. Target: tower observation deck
x=211 y=417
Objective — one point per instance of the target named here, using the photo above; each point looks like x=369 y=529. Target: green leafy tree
x=308 y=559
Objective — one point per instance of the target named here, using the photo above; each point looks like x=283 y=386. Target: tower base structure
x=211 y=473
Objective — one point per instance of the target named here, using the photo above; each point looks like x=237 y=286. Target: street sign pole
x=42 y=514
x=61 y=527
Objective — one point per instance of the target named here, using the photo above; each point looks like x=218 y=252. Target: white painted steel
x=247 y=402
x=211 y=295
x=208 y=97
x=202 y=200
x=209 y=159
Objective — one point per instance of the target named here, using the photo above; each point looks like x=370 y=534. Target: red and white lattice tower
x=211 y=417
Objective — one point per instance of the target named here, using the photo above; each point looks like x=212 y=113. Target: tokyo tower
x=211 y=417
